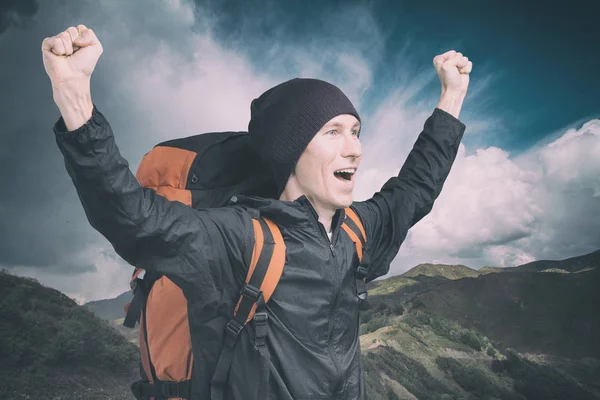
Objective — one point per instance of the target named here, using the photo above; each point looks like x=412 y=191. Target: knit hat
x=286 y=118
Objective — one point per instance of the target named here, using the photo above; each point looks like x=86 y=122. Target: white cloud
x=168 y=81
x=109 y=279
x=503 y=211
x=162 y=79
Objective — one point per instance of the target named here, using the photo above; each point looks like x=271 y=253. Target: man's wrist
x=451 y=102
x=75 y=104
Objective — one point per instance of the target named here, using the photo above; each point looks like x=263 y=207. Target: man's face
x=325 y=172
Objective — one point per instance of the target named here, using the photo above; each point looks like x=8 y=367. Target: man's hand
x=453 y=70
x=69 y=59
x=71 y=56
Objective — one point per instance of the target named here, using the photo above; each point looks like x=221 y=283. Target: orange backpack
x=187 y=170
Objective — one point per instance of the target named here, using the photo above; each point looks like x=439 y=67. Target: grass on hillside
x=51 y=347
x=428 y=357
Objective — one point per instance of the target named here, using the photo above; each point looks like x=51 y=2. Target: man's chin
x=344 y=201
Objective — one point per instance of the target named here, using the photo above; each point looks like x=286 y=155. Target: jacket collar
x=289 y=213
x=336 y=221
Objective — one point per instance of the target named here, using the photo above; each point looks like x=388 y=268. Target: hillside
x=457 y=333
x=451 y=272
x=422 y=356
x=431 y=347
x=573 y=264
x=489 y=270
x=421 y=278
x=551 y=313
x=110 y=309
x=526 y=335
x=52 y=348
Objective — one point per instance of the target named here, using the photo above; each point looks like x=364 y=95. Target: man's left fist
x=453 y=70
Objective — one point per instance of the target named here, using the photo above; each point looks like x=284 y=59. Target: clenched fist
x=453 y=70
x=71 y=56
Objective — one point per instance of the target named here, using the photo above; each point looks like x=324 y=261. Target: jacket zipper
x=338 y=373
x=325 y=237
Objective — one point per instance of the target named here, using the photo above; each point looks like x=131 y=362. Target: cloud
x=170 y=69
x=503 y=211
x=161 y=76
x=16 y=13
x=107 y=277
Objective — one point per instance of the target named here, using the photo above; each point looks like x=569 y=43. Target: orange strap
x=276 y=264
x=358 y=243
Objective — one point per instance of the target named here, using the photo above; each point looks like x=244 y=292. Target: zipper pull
x=331 y=247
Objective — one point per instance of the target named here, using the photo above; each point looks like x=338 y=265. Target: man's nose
x=351 y=147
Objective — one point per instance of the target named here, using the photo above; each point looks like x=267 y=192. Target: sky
x=525 y=185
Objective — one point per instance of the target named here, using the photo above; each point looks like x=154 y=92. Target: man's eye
x=331 y=132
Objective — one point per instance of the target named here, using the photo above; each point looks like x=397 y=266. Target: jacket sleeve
x=144 y=228
x=405 y=199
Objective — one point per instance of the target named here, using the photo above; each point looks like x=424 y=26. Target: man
x=307 y=133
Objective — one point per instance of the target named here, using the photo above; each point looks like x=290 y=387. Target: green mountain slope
x=573 y=264
x=551 y=313
x=411 y=353
x=445 y=271
x=457 y=333
x=526 y=335
x=52 y=348
x=110 y=309
x=421 y=278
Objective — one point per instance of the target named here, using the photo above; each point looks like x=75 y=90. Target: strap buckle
x=234 y=328
x=361 y=272
x=251 y=292
x=261 y=318
x=261 y=329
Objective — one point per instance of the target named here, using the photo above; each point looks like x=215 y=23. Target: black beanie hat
x=285 y=118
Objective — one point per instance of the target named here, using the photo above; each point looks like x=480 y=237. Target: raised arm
x=145 y=228
x=405 y=199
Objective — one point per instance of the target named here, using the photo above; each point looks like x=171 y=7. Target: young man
x=306 y=131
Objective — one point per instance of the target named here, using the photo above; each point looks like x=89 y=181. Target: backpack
x=205 y=171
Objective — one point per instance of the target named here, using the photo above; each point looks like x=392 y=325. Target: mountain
x=110 y=309
x=420 y=278
x=52 y=348
x=550 y=313
x=573 y=264
x=450 y=332
x=445 y=271
x=489 y=270
x=522 y=335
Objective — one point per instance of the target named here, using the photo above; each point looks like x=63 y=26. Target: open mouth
x=345 y=175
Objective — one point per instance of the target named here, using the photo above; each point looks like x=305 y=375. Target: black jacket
x=313 y=314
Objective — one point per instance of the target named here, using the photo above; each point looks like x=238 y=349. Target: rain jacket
x=313 y=324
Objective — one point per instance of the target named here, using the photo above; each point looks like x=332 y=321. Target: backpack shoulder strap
x=133 y=309
x=354 y=228
x=266 y=267
x=264 y=272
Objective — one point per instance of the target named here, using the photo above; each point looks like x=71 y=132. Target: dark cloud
x=42 y=222
x=42 y=225
x=16 y=13
x=38 y=217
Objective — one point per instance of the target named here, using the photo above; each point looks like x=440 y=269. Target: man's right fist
x=71 y=56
